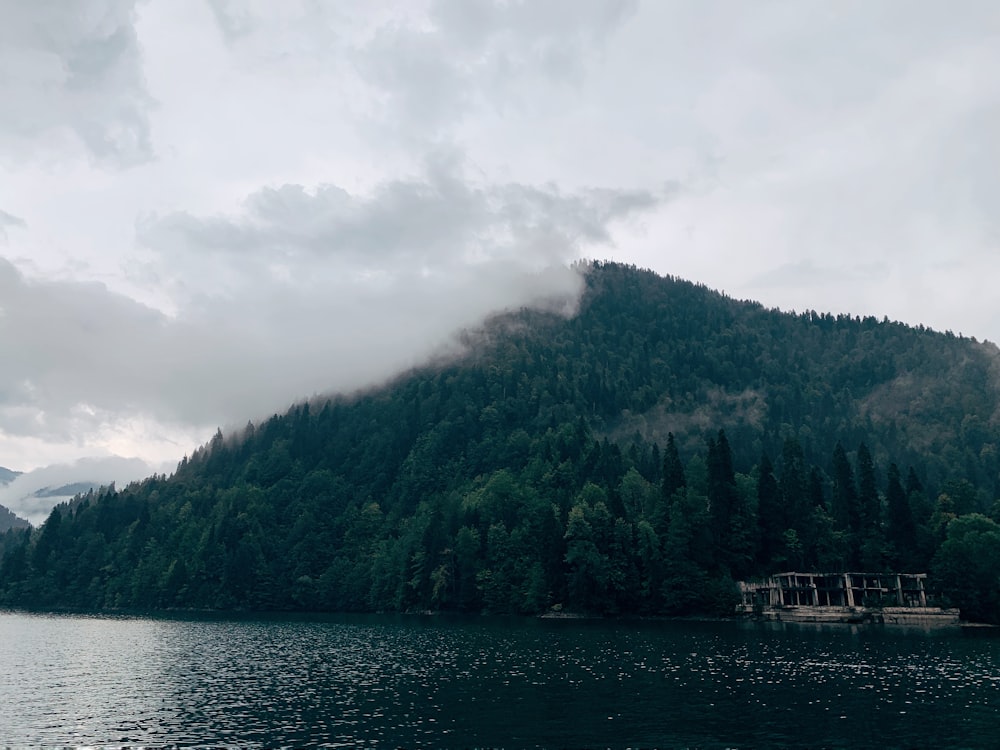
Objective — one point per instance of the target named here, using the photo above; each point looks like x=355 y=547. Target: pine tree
x=721 y=489
x=673 y=470
x=844 y=505
x=771 y=517
x=794 y=486
x=733 y=525
x=901 y=532
x=673 y=481
x=870 y=537
x=867 y=490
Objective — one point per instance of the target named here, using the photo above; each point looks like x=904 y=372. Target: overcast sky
x=212 y=208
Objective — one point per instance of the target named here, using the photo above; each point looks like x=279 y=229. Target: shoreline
x=942 y=619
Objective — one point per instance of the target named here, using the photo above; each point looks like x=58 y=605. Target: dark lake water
x=346 y=681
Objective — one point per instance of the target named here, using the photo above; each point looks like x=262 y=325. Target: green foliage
x=614 y=462
x=967 y=567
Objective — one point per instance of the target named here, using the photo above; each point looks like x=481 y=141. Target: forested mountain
x=10 y=521
x=7 y=519
x=633 y=458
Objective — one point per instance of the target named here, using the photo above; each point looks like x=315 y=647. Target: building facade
x=843 y=597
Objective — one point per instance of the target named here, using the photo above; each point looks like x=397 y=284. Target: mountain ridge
x=8 y=475
x=631 y=458
x=8 y=519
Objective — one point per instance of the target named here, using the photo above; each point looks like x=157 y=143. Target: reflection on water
x=443 y=682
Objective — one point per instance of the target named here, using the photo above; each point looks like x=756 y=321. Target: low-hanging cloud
x=304 y=292
x=30 y=494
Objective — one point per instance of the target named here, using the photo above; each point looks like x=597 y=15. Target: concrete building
x=843 y=597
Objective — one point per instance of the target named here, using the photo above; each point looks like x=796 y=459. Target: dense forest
x=634 y=458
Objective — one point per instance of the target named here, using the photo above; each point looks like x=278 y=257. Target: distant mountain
x=7 y=519
x=32 y=495
x=632 y=458
x=36 y=504
x=7 y=475
x=66 y=490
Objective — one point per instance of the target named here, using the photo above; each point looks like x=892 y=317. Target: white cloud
x=463 y=57
x=21 y=495
x=9 y=220
x=72 y=70
x=434 y=220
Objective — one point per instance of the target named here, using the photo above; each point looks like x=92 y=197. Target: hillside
x=7 y=519
x=633 y=458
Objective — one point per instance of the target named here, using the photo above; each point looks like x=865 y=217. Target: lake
x=424 y=681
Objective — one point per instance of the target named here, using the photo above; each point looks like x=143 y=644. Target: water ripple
x=439 y=682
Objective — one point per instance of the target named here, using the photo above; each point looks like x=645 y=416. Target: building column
x=848 y=594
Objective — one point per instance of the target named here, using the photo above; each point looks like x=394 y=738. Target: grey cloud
x=58 y=339
x=78 y=357
x=550 y=23
x=9 y=220
x=73 y=69
x=299 y=35
x=485 y=54
x=304 y=293
x=808 y=273
x=233 y=18
x=437 y=220
x=838 y=134
x=424 y=69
